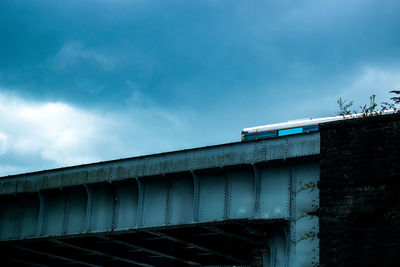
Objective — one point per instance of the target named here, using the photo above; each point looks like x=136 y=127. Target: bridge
x=236 y=204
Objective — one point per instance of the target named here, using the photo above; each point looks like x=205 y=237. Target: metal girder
x=230 y=235
x=29 y=263
x=177 y=161
x=53 y=256
x=139 y=218
x=206 y=234
x=41 y=214
x=199 y=247
x=156 y=253
x=95 y=252
x=251 y=230
x=257 y=188
x=196 y=196
x=89 y=205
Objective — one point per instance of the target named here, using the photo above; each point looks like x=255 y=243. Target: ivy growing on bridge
x=344 y=110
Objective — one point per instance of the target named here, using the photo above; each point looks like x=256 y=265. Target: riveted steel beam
x=227 y=194
x=151 y=251
x=25 y=262
x=196 y=196
x=230 y=235
x=199 y=247
x=201 y=158
x=257 y=189
x=41 y=214
x=139 y=220
x=52 y=256
x=89 y=207
x=95 y=252
x=251 y=230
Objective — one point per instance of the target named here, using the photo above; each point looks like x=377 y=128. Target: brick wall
x=360 y=192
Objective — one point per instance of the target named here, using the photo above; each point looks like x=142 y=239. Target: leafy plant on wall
x=312 y=234
x=344 y=110
x=372 y=109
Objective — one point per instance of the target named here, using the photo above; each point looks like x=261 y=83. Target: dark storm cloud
x=93 y=48
x=229 y=64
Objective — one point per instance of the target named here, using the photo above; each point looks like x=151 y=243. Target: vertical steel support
x=169 y=204
x=41 y=214
x=291 y=236
x=89 y=207
x=115 y=211
x=257 y=189
x=265 y=260
x=227 y=195
x=19 y=218
x=141 y=188
x=66 y=219
x=196 y=196
x=278 y=253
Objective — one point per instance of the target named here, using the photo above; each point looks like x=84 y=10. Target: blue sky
x=84 y=81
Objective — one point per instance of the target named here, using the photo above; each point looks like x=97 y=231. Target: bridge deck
x=255 y=180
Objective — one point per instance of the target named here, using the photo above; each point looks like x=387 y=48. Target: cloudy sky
x=85 y=81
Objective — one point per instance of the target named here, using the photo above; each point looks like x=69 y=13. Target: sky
x=86 y=81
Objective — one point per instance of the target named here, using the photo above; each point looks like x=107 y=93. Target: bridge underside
x=235 y=243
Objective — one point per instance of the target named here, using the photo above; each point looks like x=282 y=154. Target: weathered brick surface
x=360 y=192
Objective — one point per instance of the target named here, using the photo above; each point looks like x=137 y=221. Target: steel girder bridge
x=237 y=204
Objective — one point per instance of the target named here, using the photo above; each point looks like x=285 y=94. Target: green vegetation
x=344 y=110
x=369 y=110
